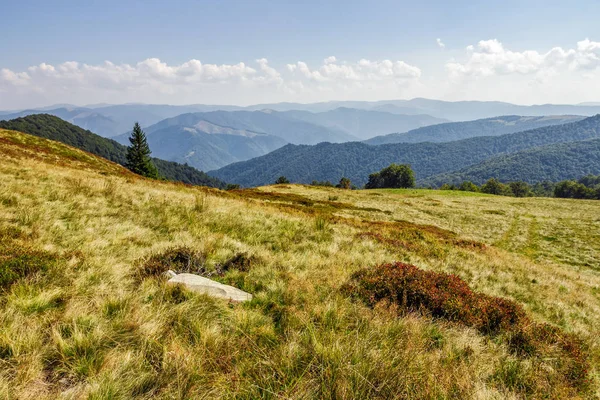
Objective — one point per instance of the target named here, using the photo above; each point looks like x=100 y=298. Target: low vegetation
x=82 y=321
x=407 y=288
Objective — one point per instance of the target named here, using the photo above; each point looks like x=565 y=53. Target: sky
x=250 y=52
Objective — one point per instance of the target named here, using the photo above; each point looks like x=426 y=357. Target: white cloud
x=362 y=71
x=153 y=80
x=488 y=70
x=440 y=43
x=490 y=57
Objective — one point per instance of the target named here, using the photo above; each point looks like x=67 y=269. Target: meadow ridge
x=82 y=318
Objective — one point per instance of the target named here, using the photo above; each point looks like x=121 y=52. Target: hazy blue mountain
x=453 y=111
x=364 y=124
x=482 y=127
x=327 y=161
x=268 y=122
x=112 y=120
x=555 y=162
x=205 y=145
x=83 y=117
x=214 y=139
x=149 y=114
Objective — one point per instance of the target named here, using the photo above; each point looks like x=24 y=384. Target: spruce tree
x=138 y=154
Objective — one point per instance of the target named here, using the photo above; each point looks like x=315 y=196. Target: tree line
x=402 y=176
x=587 y=187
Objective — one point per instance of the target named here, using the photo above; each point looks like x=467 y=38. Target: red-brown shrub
x=446 y=296
x=439 y=295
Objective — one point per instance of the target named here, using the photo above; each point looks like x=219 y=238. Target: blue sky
x=226 y=33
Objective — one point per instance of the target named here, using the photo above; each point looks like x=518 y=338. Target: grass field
x=78 y=323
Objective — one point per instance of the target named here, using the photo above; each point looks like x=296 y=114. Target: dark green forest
x=54 y=128
x=356 y=161
x=553 y=163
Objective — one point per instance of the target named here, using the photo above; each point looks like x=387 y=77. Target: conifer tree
x=138 y=154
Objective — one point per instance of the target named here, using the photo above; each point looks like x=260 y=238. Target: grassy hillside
x=78 y=319
x=451 y=131
x=54 y=128
x=329 y=162
x=551 y=163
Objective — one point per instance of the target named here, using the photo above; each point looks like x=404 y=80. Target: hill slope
x=356 y=161
x=553 y=163
x=495 y=126
x=87 y=313
x=365 y=124
x=51 y=127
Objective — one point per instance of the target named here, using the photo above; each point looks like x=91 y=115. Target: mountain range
x=112 y=120
x=482 y=127
x=328 y=161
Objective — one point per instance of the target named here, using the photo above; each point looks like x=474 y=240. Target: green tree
x=281 y=180
x=520 y=189
x=393 y=176
x=344 y=183
x=375 y=181
x=468 y=186
x=138 y=154
x=493 y=186
x=574 y=190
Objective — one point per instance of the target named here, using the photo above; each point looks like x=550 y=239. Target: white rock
x=212 y=288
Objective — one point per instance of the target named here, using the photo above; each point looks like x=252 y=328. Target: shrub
x=178 y=259
x=281 y=180
x=344 y=183
x=445 y=296
x=186 y=260
x=440 y=295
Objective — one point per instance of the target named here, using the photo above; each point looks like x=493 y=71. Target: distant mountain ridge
x=365 y=124
x=494 y=126
x=356 y=161
x=214 y=139
x=112 y=120
x=554 y=162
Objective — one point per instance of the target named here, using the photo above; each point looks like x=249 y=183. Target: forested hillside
x=54 y=128
x=553 y=163
x=495 y=126
x=329 y=162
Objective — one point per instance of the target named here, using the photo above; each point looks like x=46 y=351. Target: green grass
x=84 y=326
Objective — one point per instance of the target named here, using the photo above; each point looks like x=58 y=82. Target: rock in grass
x=212 y=288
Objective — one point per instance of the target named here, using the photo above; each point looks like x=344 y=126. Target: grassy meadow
x=77 y=322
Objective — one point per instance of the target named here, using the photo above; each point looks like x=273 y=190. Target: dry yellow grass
x=87 y=329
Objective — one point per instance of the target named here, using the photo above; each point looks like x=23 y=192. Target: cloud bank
x=487 y=70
